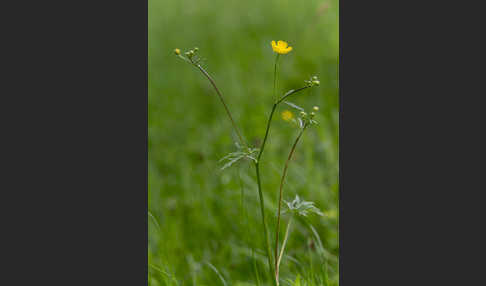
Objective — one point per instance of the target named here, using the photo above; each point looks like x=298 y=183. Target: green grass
x=204 y=223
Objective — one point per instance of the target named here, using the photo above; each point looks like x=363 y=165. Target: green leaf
x=238 y=155
x=303 y=208
x=294 y=105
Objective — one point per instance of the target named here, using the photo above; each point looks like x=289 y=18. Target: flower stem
x=265 y=228
x=283 y=248
x=291 y=92
x=222 y=101
x=257 y=168
x=260 y=192
x=275 y=77
x=277 y=230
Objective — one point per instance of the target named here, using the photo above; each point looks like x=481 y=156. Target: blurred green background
x=197 y=213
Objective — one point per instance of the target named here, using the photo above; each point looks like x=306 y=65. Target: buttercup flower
x=281 y=47
x=287 y=115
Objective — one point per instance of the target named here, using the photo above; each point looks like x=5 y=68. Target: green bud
x=315 y=108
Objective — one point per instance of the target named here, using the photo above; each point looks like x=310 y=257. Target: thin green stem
x=222 y=101
x=283 y=248
x=289 y=93
x=257 y=168
x=265 y=229
x=269 y=122
x=275 y=77
x=282 y=180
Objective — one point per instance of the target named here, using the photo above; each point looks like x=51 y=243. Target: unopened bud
x=316 y=82
x=315 y=108
x=177 y=52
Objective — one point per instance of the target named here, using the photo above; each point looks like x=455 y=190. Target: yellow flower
x=281 y=47
x=287 y=115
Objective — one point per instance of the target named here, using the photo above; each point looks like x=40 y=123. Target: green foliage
x=301 y=207
x=243 y=152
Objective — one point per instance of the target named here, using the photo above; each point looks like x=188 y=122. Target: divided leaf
x=303 y=208
x=294 y=105
x=236 y=156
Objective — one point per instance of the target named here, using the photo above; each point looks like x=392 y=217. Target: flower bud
x=177 y=52
x=315 y=108
x=314 y=77
x=316 y=82
x=312 y=114
x=196 y=49
x=303 y=114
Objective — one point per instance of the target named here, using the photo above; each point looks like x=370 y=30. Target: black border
x=76 y=86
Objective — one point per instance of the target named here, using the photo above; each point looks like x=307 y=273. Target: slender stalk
x=269 y=122
x=282 y=180
x=265 y=228
x=292 y=92
x=275 y=77
x=257 y=169
x=222 y=101
x=283 y=245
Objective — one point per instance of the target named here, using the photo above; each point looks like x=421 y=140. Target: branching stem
x=282 y=181
x=260 y=192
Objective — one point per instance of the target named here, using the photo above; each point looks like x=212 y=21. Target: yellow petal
x=274 y=47
x=282 y=44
